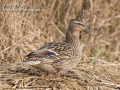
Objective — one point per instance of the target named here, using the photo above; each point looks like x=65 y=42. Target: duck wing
x=42 y=52
x=51 y=50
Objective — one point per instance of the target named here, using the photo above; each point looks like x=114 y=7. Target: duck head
x=76 y=26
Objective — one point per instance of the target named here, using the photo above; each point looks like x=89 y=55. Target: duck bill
x=88 y=31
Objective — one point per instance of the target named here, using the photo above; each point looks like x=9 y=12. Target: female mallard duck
x=58 y=57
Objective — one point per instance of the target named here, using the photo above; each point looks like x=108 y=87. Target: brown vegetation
x=23 y=31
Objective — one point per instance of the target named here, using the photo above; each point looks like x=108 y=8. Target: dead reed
x=23 y=31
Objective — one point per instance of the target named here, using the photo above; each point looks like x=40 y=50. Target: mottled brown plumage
x=59 y=57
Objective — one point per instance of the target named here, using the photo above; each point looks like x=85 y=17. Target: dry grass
x=22 y=32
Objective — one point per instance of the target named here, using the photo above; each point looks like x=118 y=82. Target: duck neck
x=73 y=39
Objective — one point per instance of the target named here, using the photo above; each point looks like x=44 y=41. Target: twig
x=58 y=29
x=102 y=61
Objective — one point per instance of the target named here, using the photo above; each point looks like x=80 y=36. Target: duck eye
x=80 y=24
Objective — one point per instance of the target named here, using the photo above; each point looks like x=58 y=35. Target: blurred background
x=27 y=25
